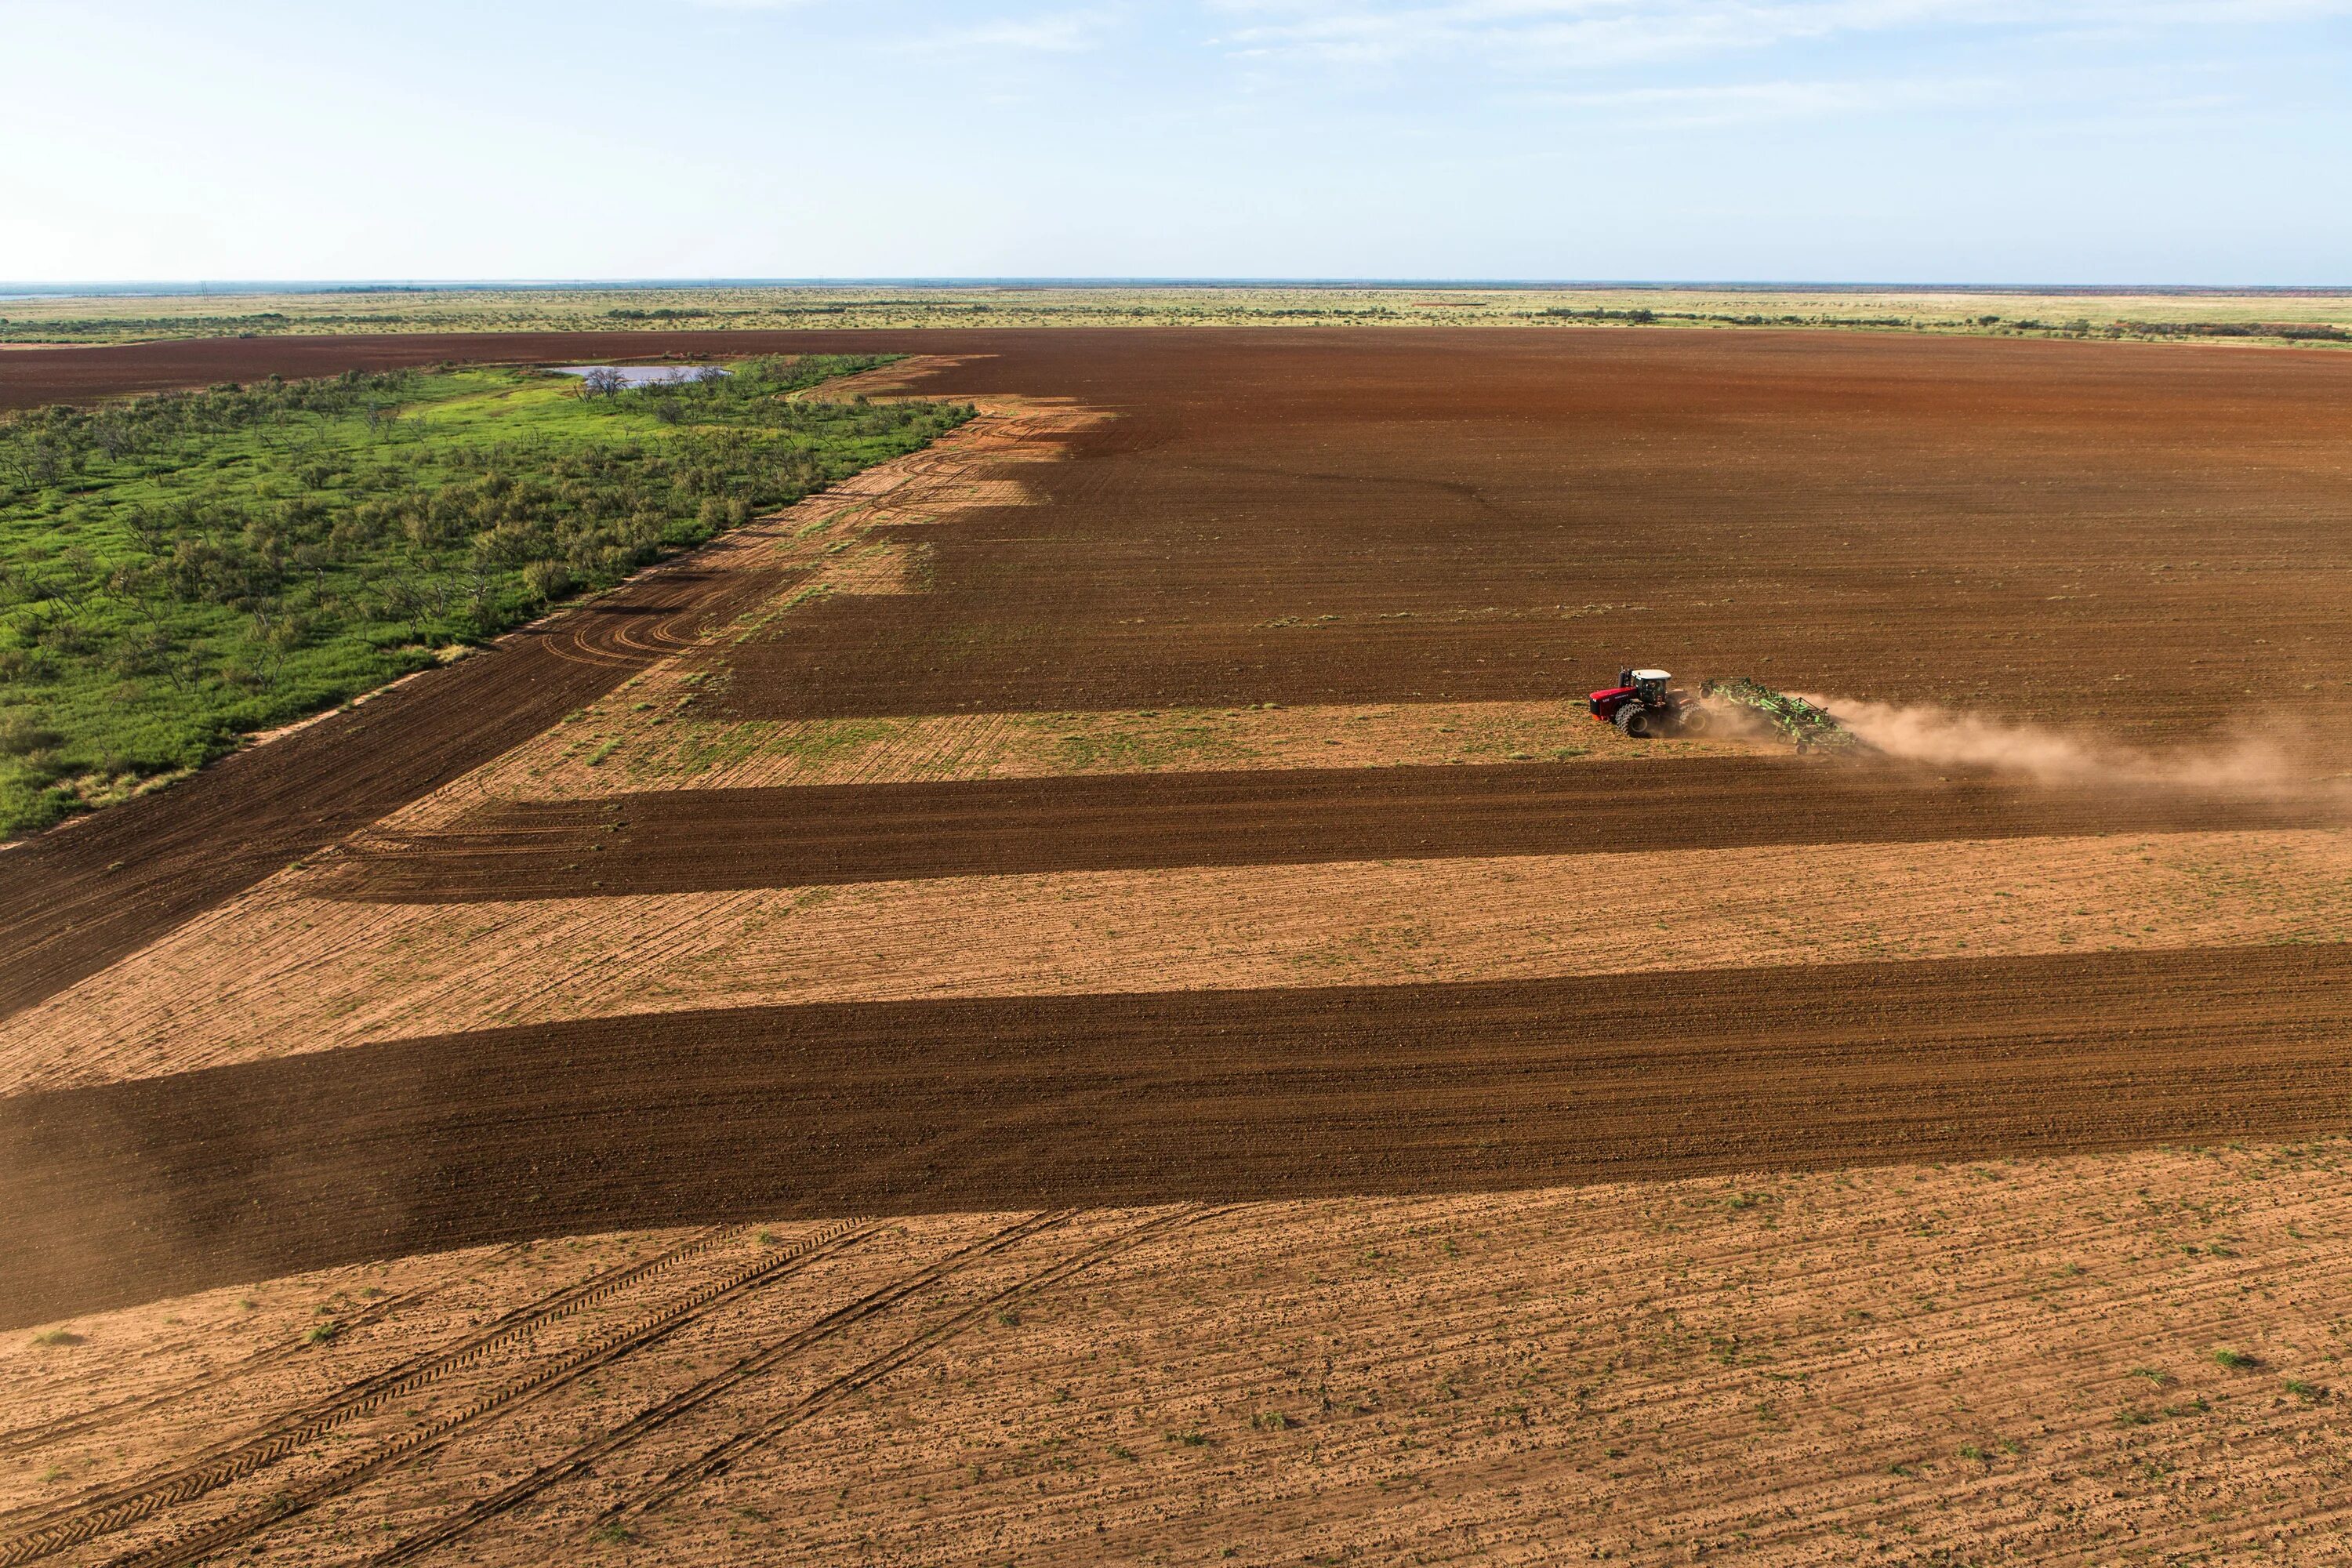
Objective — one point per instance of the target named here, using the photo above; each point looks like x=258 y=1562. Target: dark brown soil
x=2150 y=541
x=696 y=840
x=135 y=1190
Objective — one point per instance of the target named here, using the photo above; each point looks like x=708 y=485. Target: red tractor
x=1641 y=704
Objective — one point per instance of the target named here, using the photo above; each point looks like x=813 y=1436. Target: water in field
x=645 y=375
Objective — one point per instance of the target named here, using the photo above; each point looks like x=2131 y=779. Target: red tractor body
x=1642 y=704
x=1605 y=703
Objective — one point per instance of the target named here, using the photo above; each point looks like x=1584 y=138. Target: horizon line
x=179 y=287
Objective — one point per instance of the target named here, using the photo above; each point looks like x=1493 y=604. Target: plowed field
x=1092 y=995
x=696 y=840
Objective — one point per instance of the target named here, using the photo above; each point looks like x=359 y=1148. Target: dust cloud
x=2275 y=764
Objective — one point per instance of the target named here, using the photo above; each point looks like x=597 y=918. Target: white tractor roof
x=1652 y=674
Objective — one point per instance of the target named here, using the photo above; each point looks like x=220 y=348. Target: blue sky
x=2063 y=141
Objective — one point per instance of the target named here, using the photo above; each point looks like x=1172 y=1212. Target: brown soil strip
x=277 y=972
x=137 y=1190
x=701 y=840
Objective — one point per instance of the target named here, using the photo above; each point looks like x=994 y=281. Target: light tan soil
x=2012 y=1363
x=645 y=736
x=279 y=973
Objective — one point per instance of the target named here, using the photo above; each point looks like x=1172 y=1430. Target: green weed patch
x=179 y=571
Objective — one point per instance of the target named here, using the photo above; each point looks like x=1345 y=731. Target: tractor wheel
x=1636 y=721
x=1694 y=719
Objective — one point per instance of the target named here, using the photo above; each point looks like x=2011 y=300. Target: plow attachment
x=1810 y=728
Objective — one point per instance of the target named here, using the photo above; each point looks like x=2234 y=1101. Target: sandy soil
x=647 y=736
x=2006 y=1360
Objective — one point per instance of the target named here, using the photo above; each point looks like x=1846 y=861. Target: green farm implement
x=1812 y=728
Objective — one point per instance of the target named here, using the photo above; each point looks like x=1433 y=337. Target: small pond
x=643 y=375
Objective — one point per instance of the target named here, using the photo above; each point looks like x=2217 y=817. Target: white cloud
x=1748 y=103
x=1057 y=33
x=1598 y=34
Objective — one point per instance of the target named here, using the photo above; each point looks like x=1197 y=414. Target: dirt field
x=1086 y=997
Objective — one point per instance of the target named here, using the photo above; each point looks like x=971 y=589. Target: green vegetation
x=178 y=571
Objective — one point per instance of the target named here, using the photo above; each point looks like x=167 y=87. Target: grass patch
x=179 y=571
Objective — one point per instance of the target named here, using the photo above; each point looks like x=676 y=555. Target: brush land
x=2318 y=316
x=1090 y=994
x=181 y=570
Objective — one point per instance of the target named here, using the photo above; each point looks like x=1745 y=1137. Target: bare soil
x=710 y=839
x=278 y=972
x=334 y=1156
x=1915 y=1361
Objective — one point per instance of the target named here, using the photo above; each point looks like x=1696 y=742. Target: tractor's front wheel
x=1637 y=720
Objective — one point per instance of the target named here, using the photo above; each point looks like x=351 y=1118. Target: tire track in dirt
x=25 y=1440
x=812 y=1111
x=723 y=1456
x=583 y=1459
x=675 y=841
x=423 y=1441
x=51 y=1528
x=128 y=1506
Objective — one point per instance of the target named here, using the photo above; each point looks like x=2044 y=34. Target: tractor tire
x=1694 y=719
x=1636 y=721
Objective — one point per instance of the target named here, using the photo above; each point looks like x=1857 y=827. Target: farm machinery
x=1644 y=702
